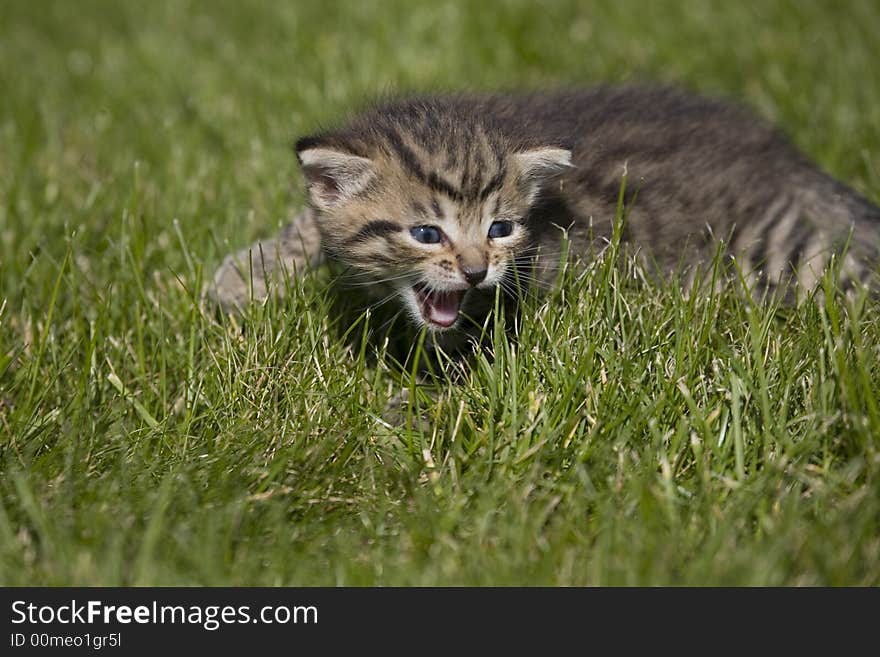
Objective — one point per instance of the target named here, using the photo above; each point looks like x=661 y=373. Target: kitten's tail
x=816 y=219
x=847 y=225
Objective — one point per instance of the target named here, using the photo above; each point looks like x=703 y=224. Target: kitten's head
x=433 y=206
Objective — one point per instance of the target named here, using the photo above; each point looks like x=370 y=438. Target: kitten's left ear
x=333 y=176
x=539 y=166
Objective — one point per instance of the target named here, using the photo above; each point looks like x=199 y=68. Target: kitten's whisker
x=381 y=302
x=532 y=276
x=387 y=298
x=529 y=261
x=541 y=253
x=391 y=319
x=528 y=284
x=367 y=281
x=536 y=273
x=372 y=276
x=541 y=250
x=375 y=283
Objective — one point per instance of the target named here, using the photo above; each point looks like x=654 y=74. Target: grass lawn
x=628 y=436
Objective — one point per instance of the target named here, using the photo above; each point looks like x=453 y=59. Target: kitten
x=442 y=199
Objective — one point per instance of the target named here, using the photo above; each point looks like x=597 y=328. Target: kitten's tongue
x=441 y=307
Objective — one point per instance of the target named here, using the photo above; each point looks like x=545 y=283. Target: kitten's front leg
x=296 y=248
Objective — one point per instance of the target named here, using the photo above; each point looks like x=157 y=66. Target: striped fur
x=703 y=170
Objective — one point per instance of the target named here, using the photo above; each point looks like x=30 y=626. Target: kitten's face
x=435 y=243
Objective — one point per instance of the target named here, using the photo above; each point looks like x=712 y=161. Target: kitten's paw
x=400 y=412
x=259 y=270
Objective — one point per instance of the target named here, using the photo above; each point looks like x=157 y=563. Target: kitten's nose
x=473 y=265
x=474 y=275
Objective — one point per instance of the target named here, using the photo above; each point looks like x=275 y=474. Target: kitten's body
x=472 y=167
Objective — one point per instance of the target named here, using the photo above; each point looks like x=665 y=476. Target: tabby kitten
x=442 y=199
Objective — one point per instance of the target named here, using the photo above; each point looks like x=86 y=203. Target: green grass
x=629 y=435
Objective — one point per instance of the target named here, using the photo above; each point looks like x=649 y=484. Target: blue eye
x=500 y=229
x=426 y=234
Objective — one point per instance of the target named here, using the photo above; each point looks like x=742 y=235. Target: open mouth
x=438 y=307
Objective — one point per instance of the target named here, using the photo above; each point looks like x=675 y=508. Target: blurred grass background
x=143 y=442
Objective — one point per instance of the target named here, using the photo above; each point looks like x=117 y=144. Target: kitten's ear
x=538 y=166
x=333 y=176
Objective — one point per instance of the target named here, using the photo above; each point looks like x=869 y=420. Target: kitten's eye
x=500 y=229
x=426 y=234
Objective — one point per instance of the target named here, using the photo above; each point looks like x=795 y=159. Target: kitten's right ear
x=332 y=176
x=538 y=166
